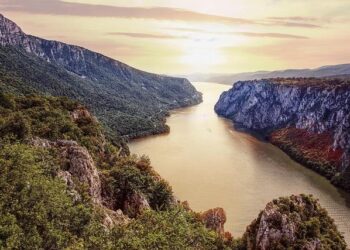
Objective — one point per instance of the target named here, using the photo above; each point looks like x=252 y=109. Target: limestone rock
x=135 y=204
x=80 y=164
x=113 y=218
x=215 y=219
x=293 y=223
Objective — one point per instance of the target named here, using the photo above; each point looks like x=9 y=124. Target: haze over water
x=209 y=164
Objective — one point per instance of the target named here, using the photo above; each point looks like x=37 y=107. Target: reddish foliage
x=310 y=145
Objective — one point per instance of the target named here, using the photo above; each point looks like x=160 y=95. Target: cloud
x=146 y=35
x=292 y=24
x=270 y=35
x=249 y=34
x=59 y=7
x=295 y=19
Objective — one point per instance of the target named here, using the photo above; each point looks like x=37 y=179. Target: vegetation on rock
x=296 y=222
x=42 y=208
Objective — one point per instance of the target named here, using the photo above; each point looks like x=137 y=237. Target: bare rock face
x=135 y=204
x=214 y=219
x=67 y=178
x=297 y=222
x=113 y=218
x=80 y=165
x=81 y=113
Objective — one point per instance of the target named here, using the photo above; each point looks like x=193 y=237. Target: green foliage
x=310 y=220
x=126 y=178
x=6 y=101
x=50 y=118
x=170 y=229
x=37 y=211
x=116 y=98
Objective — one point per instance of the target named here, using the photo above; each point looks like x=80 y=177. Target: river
x=209 y=164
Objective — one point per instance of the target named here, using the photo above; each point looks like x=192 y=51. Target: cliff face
x=116 y=92
x=308 y=118
x=296 y=222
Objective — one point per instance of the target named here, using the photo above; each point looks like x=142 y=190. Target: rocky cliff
x=117 y=93
x=296 y=222
x=308 y=118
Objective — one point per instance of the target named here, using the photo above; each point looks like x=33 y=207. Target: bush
x=170 y=229
x=122 y=182
x=35 y=208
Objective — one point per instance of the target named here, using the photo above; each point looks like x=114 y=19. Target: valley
x=69 y=179
x=210 y=164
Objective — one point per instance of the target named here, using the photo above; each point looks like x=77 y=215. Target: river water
x=209 y=164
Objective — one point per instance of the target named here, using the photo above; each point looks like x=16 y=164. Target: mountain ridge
x=127 y=100
x=229 y=79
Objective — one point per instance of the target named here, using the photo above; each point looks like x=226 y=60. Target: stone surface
x=291 y=223
x=80 y=165
x=135 y=204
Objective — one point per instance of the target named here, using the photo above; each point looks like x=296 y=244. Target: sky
x=195 y=36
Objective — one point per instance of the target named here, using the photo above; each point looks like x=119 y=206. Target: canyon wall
x=306 y=117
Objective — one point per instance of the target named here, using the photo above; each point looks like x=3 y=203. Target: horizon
x=174 y=38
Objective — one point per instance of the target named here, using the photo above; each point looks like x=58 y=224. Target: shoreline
x=298 y=158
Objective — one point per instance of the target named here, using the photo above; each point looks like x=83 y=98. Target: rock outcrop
x=297 y=222
x=135 y=204
x=80 y=168
x=215 y=219
x=79 y=165
x=318 y=108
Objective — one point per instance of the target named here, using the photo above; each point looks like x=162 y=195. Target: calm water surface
x=210 y=165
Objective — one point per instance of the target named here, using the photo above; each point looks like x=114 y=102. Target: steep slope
x=126 y=100
x=307 y=117
x=324 y=71
x=63 y=185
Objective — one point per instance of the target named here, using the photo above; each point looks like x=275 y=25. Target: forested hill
x=127 y=101
x=64 y=185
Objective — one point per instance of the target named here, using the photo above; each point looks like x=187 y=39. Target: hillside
x=64 y=185
x=127 y=101
x=308 y=118
x=324 y=71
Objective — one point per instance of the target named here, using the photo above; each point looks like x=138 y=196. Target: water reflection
x=210 y=164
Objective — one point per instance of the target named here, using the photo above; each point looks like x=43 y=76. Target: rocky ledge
x=308 y=118
x=296 y=222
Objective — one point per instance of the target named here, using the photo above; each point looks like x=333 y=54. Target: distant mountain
x=128 y=101
x=325 y=71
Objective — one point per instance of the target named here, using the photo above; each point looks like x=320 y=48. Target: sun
x=201 y=53
x=204 y=51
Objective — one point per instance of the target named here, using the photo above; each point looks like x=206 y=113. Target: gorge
x=69 y=181
x=219 y=166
